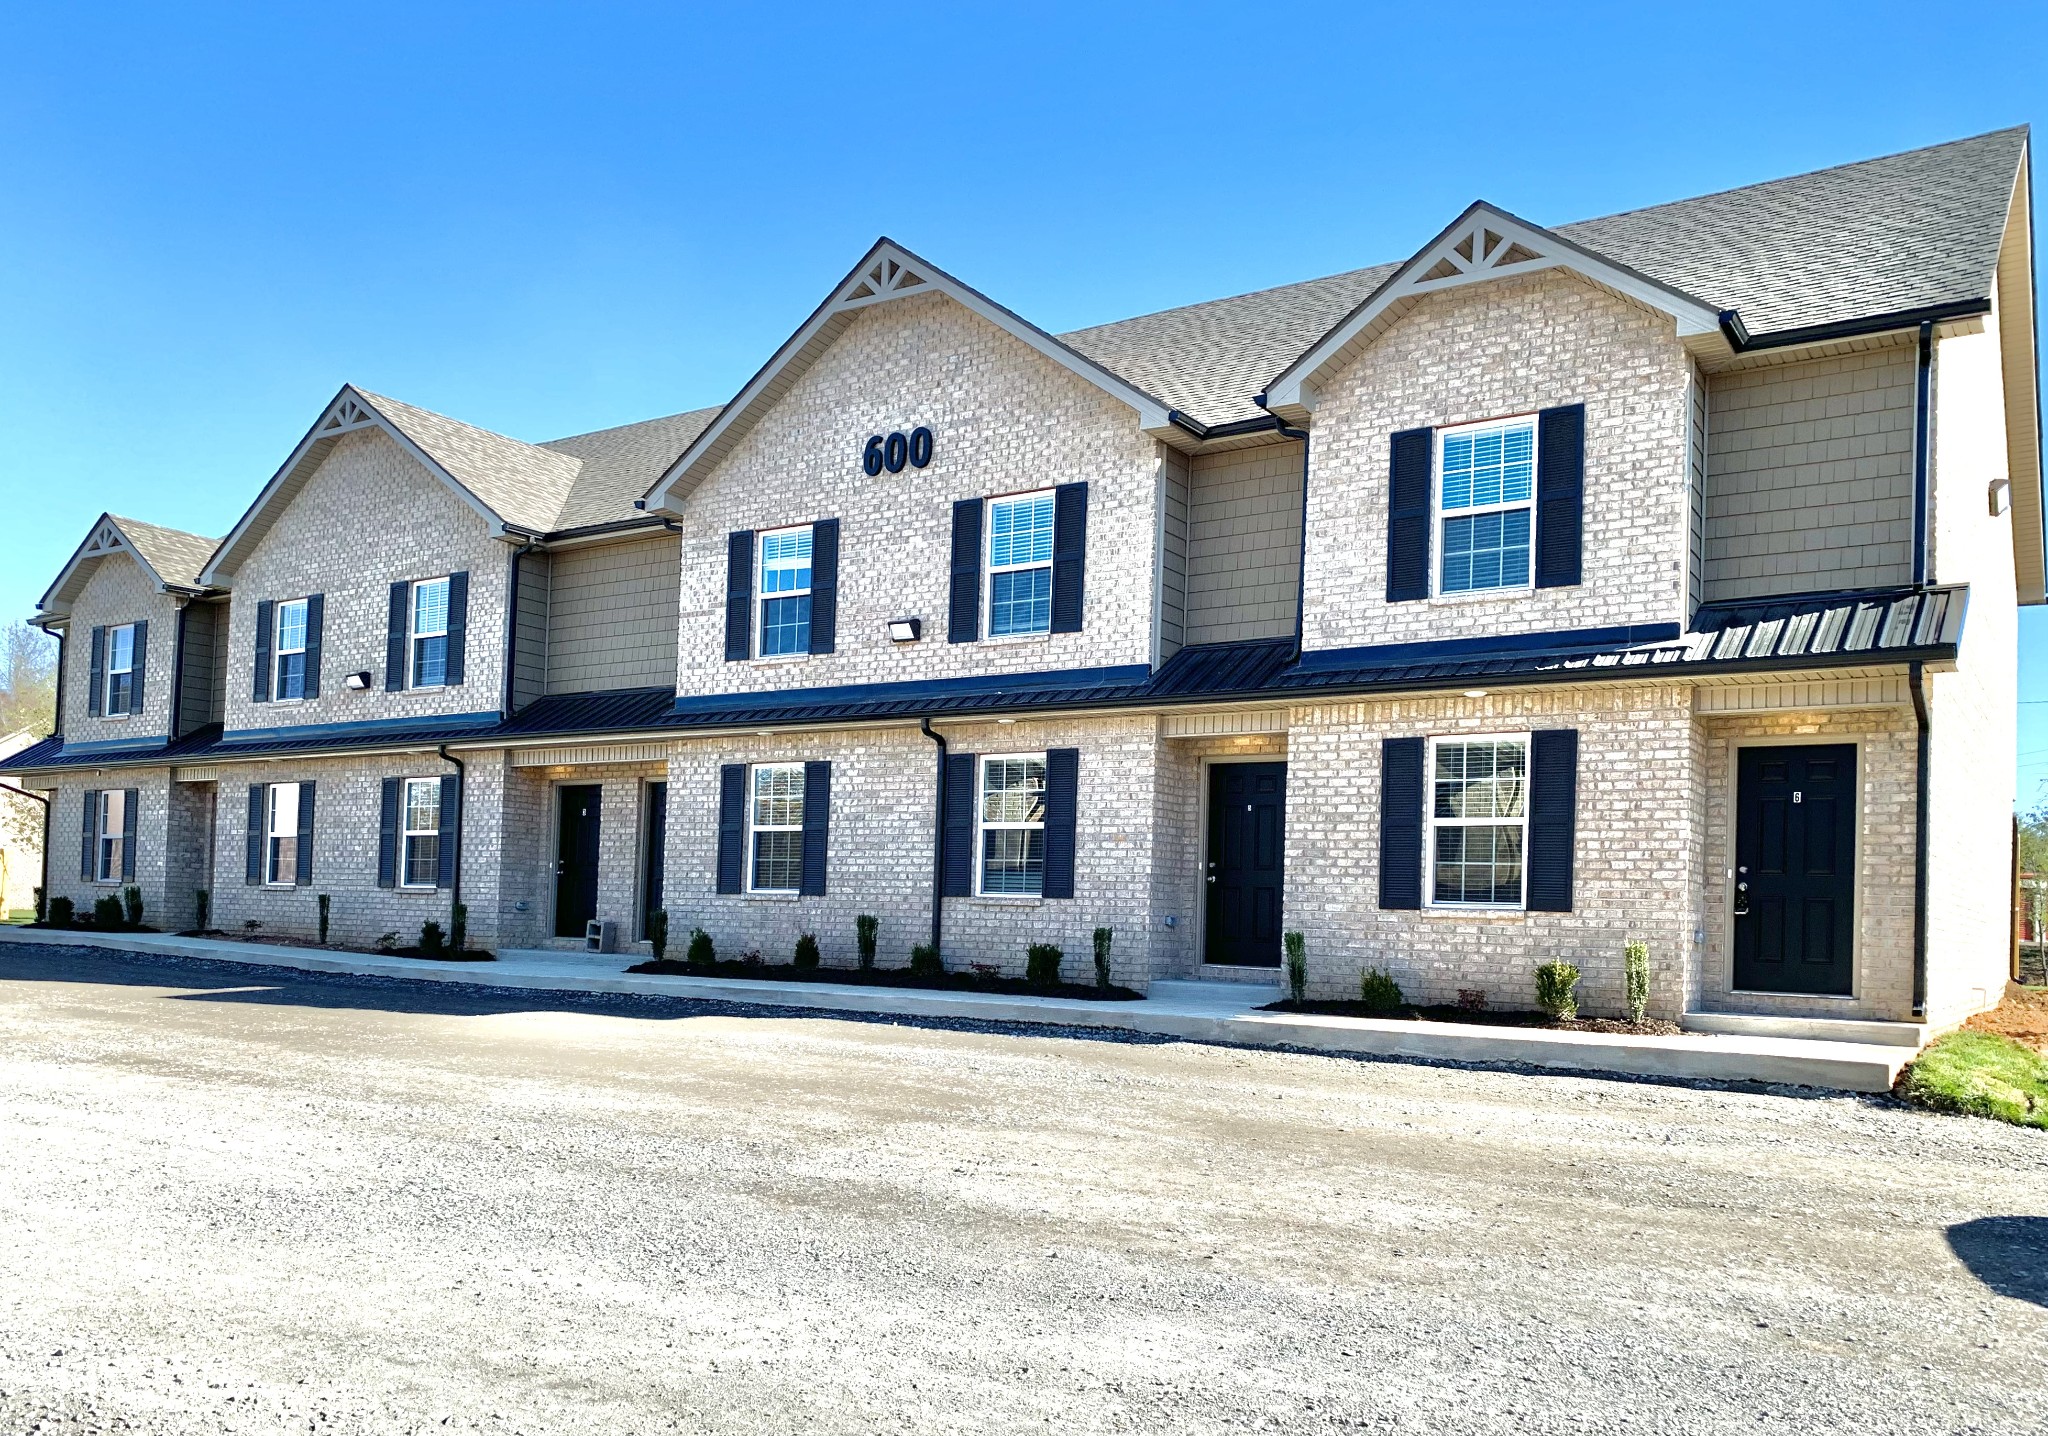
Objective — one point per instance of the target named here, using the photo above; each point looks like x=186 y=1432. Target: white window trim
x=754 y=829
x=1438 y=515
x=407 y=833
x=1431 y=822
x=981 y=825
x=107 y=678
x=989 y=570
x=271 y=835
x=761 y=594
x=413 y=635
x=278 y=652
x=109 y=853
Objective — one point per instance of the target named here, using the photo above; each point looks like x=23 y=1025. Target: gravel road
x=238 y=1200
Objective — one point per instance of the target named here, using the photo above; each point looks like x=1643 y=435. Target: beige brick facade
x=119 y=591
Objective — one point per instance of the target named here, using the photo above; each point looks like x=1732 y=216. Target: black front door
x=576 y=858
x=1247 y=842
x=655 y=859
x=1795 y=869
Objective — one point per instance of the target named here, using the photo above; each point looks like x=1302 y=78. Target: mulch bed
x=1483 y=1017
x=468 y=954
x=86 y=924
x=890 y=977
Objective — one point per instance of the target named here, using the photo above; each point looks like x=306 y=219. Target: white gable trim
x=1484 y=243
x=887 y=272
x=105 y=540
x=348 y=412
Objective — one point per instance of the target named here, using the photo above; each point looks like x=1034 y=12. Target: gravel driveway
x=238 y=1200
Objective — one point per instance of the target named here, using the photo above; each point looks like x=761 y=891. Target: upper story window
x=422 y=833
x=1478 y=820
x=289 y=650
x=1020 y=564
x=775 y=828
x=113 y=835
x=785 y=588
x=120 y=679
x=429 y=648
x=281 y=835
x=1486 y=490
x=1011 y=812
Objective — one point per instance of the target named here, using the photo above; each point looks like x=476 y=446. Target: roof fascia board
x=1293 y=393
x=348 y=412
x=56 y=592
x=873 y=281
x=2020 y=366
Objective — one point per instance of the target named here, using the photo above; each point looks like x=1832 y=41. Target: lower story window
x=775 y=821
x=281 y=835
x=113 y=820
x=422 y=832
x=1478 y=820
x=1012 y=814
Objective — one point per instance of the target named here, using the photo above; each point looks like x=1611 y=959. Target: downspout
x=1301 y=571
x=23 y=792
x=512 y=617
x=1923 y=424
x=461 y=802
x=938 y=838
x=1916 y=681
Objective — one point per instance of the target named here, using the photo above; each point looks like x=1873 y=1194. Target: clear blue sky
x=551 y=218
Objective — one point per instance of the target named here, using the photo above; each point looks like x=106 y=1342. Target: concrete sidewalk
x=1202 y=1011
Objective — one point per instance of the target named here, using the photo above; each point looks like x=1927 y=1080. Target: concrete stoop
x=1204 y=1011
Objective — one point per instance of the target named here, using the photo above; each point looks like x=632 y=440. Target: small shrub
x=866 y=928
x=249 y=925
x=1103 y=938
x=1378 y=991
x=1636 y=960
x=751 y=957
x=1297 y=965
x=1472 y=999
x=42 y=906
x=131 y=905
x=326 y=908
x=106 y=913
x=202 y=908
x=458 y=926
x=806 y=951
x=431 y=936
x=63 y=912
x=1556 y=990
x=657 y=933
x=924 y=961
x=1042 y=963
x=701 y=953
x=387 y=942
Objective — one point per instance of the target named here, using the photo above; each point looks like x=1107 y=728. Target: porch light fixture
x=905 y=630
x=357 y=682
x=1475 y=692
x=1006 y=720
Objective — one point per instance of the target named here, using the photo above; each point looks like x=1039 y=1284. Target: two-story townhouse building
x=1552 y=588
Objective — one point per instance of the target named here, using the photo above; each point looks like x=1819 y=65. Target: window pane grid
x=1479 y=793
x=1013 y=826
x=422 y=832
x=776 y=816
x=283 y=845
x=1484 y=494
x=1486 y=551
x=291 y=649
x=786 y=593
x=1019 y=561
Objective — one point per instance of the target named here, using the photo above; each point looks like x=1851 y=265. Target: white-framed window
x=113 y=822
x=1010 y=810
x=784 y=583
x=429 y=647
x=420 y=838
x=288 y=650
x=281 y=835
x=1486 y=490
x=1020 y=564
x=775 y=828
x=1478 y=828
x=120 y=693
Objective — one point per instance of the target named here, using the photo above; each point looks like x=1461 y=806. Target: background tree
x=28 y=705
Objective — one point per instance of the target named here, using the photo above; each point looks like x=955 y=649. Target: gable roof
x=621 y=464
x=171 y=558
x=523 y=485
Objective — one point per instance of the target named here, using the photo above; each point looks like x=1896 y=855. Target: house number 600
x=897 y=450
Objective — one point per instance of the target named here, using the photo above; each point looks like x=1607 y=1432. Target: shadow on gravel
x=2007 y=1254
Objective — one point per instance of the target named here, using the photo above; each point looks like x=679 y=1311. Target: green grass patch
x=1980 y=1074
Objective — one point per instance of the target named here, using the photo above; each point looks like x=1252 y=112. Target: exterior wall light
x=357 y=682
x=905 y=630
x=1475 y=692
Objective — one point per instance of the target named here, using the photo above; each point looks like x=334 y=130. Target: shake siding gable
x=611 y=615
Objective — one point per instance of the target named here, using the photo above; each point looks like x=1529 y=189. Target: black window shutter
x=1408 y=514
x=1560 y=494
x=254 y=873
x=1062 y=801
x=316 y=613
x=304 y=876
x=139 y=658
x=959 y=825
x=824 y=587
x=1553 y=817
x=387 y=835
x=1069 y=555
x=817 y=822
x=97 y=695
x=395 y=635
x=739 y=598
x=451 y=829
x=265 y=623
x=963 y=612
x=1401 y=790
x=732 y=827
x=88 y=833
x=128 y=805
x=458 y=626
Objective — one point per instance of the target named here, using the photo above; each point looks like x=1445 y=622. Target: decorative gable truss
x=105 y=540
x=889 y=277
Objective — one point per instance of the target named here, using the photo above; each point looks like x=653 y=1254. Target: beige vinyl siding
x=202 y=692
x=612 y=616
x=1173 y=552
x=530 y=630
x=1244 y=543
x=1696 y=491
x=1810 y=476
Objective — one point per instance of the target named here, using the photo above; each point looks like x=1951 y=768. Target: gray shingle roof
x=619 y=465
x=176 y=555
x=524 y=484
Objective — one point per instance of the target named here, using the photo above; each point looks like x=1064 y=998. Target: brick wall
x=155 y=857
x=118 y=591
x=1244 y=543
